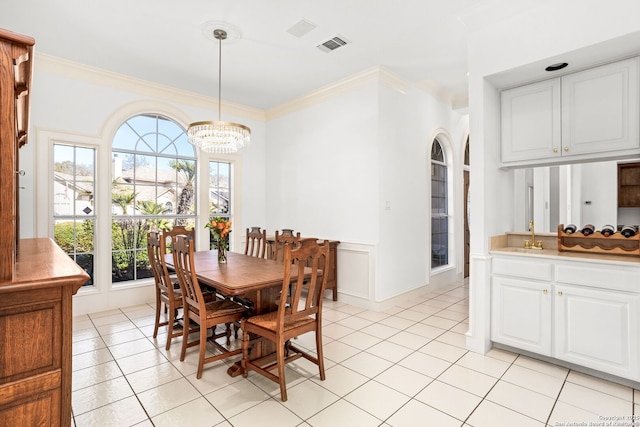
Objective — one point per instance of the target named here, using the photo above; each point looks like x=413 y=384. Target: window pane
x=439 y=241
x=219 y=192
x=154 y=188
x=73 y=210
x=439 y=207
x=466 y=153
x=436 y=152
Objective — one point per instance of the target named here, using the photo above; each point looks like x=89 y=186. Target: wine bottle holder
x=615 y=244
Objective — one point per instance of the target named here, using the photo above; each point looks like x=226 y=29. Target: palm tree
x=148 y=207
x=123 y=200
x=188 y=170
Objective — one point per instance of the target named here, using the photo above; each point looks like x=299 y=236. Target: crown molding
x=379 y=75
x=55 y=65
x=373 y=75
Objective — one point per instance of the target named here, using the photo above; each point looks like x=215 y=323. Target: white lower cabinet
x=597 y=329
x=521 y=314
x=593 y=321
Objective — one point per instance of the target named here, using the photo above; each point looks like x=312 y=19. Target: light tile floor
x=406 y=366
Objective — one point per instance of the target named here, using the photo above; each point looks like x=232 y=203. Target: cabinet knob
x=555 y=150
x=544 y=291
x=560 y=293
x=566 y=148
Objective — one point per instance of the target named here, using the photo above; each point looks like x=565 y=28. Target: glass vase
x=222 y=253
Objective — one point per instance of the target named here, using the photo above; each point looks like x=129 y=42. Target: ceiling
x=170 y=42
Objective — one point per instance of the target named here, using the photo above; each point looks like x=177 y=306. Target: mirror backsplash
x=577 y=194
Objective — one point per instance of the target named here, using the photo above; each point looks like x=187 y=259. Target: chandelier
x=217 y=136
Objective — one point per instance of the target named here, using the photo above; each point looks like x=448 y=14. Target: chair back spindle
x=183 y=261
x=305 y=294
x=282 y=238
x=256 y=243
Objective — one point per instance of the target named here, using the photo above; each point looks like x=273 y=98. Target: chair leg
x=185 y=335
x=228 y=333
x=203 y=349
x=320 y=354
x=158 y=304
x=281 y=378
x=171 y=320
x=245 y=353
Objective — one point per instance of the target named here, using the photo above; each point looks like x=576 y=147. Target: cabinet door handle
x=566 y=148
x=544 y=291
x=560 y=293
x=555 y=150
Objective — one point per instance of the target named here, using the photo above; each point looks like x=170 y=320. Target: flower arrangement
x=220 y=228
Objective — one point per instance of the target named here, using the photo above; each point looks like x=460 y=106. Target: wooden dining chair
x=302 y=315
x=166 y=293
x=179 y=230
x=205 y=314
x=256 y=243
x=281 y=238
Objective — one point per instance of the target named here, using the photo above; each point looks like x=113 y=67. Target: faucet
x=533 y=244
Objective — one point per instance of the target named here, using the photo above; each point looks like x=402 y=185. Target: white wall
x=599 y=198
x=371 y=144
x=547 y=31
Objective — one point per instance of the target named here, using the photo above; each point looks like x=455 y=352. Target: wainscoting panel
x=356 y=270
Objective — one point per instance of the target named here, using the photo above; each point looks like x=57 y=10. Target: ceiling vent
x=301 y=28
x=332 y=44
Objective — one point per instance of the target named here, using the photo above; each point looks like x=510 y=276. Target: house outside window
x=74 y=218
x=153 y=188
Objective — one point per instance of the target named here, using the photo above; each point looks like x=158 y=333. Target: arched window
x=466 y=153
x=439 y=207
x=153 y=187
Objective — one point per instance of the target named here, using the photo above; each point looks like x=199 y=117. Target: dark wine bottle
x=628 y=231
x=588 y=229
x=607 y=230
x=570 y=229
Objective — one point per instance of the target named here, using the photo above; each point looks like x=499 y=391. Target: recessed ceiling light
x=556 y=67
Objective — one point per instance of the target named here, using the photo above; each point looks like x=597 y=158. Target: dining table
x=257 y=282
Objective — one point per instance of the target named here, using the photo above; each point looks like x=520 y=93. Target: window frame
x=163 y=218
x=448 y=215
x=74 y=216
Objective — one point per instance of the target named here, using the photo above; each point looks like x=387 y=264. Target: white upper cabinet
x=531 y=121
x=588 y=115
x=600 y=109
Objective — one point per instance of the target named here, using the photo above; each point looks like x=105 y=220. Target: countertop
x=506 y=245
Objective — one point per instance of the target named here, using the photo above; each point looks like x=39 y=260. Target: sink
x=512 y=249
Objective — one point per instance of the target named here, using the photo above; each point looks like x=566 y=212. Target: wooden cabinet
x=587 y=115
x=578 y=311
x=16 y=66
x=628 y=185
x=35 y=336
x=37 y=279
